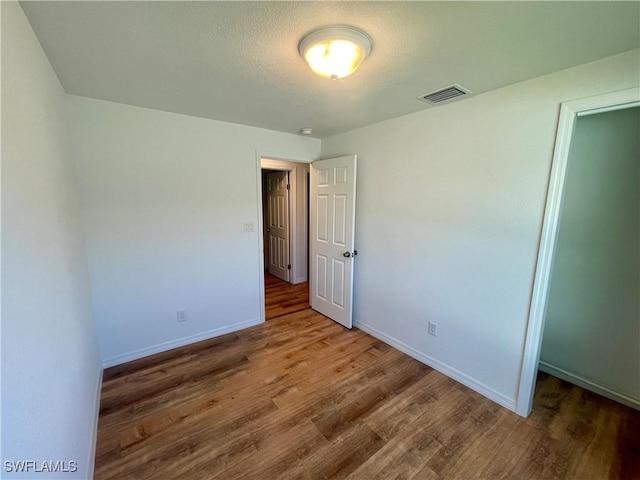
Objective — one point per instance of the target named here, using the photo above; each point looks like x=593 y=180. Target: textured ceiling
x=238 y=61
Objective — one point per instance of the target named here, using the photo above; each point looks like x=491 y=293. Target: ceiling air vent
x=445 y=95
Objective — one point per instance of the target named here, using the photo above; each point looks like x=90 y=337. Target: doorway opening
x=321 y=219
x=542 y=299
x=591 y=335
x=284 y=215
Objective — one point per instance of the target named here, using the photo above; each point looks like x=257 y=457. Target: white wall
x=50 y=365
x=164 y=201
x=449 y=213
x=592 y=326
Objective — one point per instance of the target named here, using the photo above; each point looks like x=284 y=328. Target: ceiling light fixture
x=306 y=131
x=336 y=51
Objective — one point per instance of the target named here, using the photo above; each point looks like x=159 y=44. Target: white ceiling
x=238 y=61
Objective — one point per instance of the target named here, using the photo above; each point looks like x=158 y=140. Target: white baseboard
x=300 y=280
x=94 y=438
x=449 y=371
x=589 y=385
x=180 y=342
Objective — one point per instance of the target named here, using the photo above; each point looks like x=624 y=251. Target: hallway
x=282 y=298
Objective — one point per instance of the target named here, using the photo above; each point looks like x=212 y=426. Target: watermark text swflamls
x=45 y=466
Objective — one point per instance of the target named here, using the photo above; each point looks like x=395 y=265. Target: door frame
x=569 y=113
x=274 y=161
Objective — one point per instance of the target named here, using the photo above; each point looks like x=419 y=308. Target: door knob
x=346 y=254
x=268 y=230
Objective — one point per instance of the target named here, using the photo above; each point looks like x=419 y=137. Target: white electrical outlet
x=182 y=315
x=248 y=227
x=433 y=329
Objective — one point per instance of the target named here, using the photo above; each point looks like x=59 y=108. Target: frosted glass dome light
x=335 y=52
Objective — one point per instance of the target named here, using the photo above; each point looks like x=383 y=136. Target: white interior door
x=278 y=224
x=331 y=240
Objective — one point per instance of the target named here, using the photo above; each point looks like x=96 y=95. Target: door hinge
x=288 y=267
x=287 y=186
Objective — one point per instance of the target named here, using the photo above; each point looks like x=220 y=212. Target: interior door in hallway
x=278 y=224
x=332 y=230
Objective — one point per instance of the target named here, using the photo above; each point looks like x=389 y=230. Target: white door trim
x=272 y=161
x=569 y=112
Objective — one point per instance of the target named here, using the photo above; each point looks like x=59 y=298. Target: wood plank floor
x=301 y=397
x=282 y=297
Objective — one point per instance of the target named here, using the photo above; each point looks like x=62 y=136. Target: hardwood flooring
x=301 y=397
x=282 y=297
